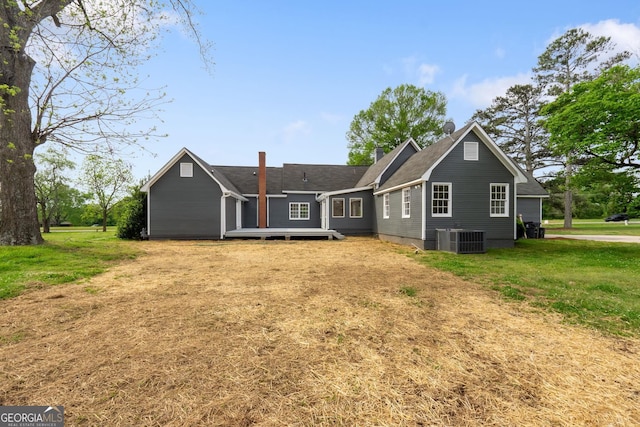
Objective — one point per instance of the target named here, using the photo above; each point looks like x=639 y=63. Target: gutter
x=398 y=187
x=322 y=196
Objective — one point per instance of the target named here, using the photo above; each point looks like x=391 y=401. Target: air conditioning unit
x=461 y=241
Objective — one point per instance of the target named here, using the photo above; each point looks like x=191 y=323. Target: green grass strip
x=64 y=257
x=592 y=283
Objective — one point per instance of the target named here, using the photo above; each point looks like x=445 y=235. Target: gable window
x=385 y=205
x=337 y=208
x=355 y=208
x=186 y=170
x=471 y=150
x=406 y=202
x=298 y=211
x=499 y=200
x=441 y=199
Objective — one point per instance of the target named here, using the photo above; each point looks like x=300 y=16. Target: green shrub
x=134 y=215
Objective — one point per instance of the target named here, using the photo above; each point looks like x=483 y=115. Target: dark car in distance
x=617 y=217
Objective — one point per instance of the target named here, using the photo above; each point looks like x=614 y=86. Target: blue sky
x=289 y=76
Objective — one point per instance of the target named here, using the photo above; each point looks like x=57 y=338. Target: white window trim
x=406 y=202
x=300 y=210
x=343 y=208
x=471 y=150
x=186 y=170
x=506 y=200
x=355 y=199
x=449 y=213
x=386 y=208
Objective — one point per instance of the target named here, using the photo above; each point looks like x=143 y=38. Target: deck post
x=262 y=189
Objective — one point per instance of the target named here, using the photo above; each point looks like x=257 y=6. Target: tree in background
x=66 y=75
x=607 y=187
x=513 y=121
x=107 y=180
x=50 y=182
x=600 y=119
x=71 y=202
x=572 y=58
x=395 y=116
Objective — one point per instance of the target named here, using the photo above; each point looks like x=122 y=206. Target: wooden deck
x=286 y=233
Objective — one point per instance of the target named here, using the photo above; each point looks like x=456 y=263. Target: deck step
x=338 y=235
x=287 y=233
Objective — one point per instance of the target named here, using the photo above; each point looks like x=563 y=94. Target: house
x=463 y=181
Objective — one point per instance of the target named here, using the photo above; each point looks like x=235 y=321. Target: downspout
x=540 y=208
x=324 y=217
x=262 y=190
x=424 y=211
x=327 y=210
x=515 y=211
x=223 y=214
x=149 y=212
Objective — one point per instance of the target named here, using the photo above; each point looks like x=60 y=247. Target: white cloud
x=295 y=130
x=625 y=36
x=481 y=94
x=427 y=73
x=422 y=73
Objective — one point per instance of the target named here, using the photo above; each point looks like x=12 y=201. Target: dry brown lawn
x=303 y=333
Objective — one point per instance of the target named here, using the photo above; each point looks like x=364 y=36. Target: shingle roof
x=417 y=165
x=530 y=188
x=246 y=178
x=290 y=177
x=320 y=178
x=374 y=171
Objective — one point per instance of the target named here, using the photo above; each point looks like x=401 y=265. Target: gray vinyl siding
x=470 y=194
x=279 y=211
x=230 y=213
x=395 y=225
x=184 y=208
x=530 y=209
x=353 y=226
x=250 y=213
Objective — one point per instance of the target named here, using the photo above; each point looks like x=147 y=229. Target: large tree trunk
x=46 y=222
x=46 y=226
x=19 y=215
x=568 y=196
x=105 y=215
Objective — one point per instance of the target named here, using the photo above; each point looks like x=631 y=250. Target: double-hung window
x=385 y=205
x=337 y=208
x=441 y=199
x=406 y=202
x=355 y=208
x=499 y=205
x=298 y=211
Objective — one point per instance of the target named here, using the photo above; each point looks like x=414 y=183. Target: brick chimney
x=262 y=189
